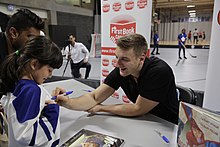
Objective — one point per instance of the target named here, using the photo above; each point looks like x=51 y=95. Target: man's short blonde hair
x=133 y=41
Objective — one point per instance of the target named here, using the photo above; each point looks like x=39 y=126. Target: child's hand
x=47 y=102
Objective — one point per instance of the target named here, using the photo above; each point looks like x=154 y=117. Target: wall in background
x=170 y=31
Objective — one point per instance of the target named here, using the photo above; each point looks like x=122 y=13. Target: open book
x=87 y=138
x=198 y=127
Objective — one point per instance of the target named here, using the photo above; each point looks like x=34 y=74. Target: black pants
x=75 y=67
x=181 y=47
x=195 y=39
x=155 y=47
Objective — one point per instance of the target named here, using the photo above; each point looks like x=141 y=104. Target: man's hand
x=61 y=100
x=96 y=108
x=58 y=91
x=85 y=60
x=69 y=56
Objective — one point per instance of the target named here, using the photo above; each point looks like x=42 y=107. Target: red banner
x=108 y=51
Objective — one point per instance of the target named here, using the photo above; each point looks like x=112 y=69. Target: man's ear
x=34 y=64
x=142 y=57
x=13 y=33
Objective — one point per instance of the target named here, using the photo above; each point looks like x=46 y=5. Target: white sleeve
x=85 y=51
x=32 y=122
x=66 y=51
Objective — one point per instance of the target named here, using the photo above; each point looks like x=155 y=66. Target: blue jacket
x=182 y=37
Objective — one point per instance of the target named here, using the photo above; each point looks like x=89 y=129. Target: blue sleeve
x=34 y=124
x=27 y=103
x=179 y=36
x=50 y=112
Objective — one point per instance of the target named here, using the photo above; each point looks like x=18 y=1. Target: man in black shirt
x=148 y=82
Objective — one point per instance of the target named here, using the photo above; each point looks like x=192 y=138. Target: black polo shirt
x=3 y=47
x=3 y=54
x=156 y=82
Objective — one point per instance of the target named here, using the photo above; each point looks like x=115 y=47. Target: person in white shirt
x=78 y=55
x=195 y=36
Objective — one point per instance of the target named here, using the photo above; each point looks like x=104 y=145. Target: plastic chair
x=189 y=95
x=186 y=94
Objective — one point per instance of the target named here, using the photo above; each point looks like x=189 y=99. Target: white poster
x=212 y=90
x=119 y=18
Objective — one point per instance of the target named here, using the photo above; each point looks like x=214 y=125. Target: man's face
x=72 y=39
x=20 y=40
x=128 y=62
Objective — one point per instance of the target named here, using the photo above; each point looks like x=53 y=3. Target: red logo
x=141 y=3
x=108 y=51
x=116 y=6
x=115 y=95
x=125 y=99
x=114 y=63
x=129 y=5
x=105 y=7
x=122 y=25
x=105 y=72
x=219 y=17
x=105 y=62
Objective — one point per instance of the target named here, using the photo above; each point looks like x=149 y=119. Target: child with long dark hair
x=33 y=118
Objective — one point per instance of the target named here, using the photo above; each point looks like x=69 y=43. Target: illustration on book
x=87 y=138
x=198 y=127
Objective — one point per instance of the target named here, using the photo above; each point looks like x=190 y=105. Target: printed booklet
x=198 y=127
x=87 y=138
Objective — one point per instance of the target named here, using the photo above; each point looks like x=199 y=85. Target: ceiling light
x=190 y=6
x=192 y=11
x=193 y=16
x=187 y=0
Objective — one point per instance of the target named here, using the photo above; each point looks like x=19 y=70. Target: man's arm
x=86 y=101
x=67 y=52
x=141 y=107
x=86 y=52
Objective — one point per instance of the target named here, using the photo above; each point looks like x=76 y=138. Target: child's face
x=42 y=73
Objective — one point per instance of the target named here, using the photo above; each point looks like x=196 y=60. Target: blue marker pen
x=162 y=136
x=88 y=90
x=64 y=94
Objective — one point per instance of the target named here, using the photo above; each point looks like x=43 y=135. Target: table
x=136 y=131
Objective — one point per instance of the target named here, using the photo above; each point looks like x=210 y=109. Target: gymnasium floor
x=190 y=72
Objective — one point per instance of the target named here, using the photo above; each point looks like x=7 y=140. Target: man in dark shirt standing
x=148 y=82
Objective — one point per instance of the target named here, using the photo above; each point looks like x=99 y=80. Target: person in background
x=189 y=36
x=22 y=25
x=200 y=36
x=203 y=35
x=32 y=116
x=181 y=42
x=195 y=36
x=148 y=82
x=78 y=54
x=156 y=43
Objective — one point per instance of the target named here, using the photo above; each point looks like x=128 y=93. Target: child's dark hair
x=40 y=48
